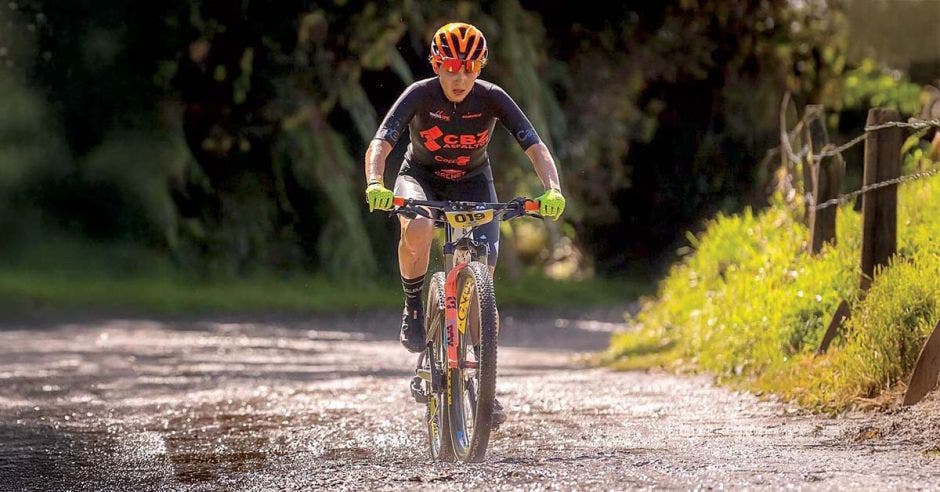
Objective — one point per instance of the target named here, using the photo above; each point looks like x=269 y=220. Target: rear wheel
x=439 y=441
x=473 y=385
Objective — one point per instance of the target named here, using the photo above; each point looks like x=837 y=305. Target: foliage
x=750 y=305
x=867 y=86
x=260 y=112
x=29 y=149
x=692 y=89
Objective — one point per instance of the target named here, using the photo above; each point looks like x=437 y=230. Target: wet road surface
x=271 y=403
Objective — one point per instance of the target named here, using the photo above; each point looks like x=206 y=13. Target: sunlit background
x=183 y=155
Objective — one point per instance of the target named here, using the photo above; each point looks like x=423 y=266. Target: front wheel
x=435 y=363
x=472 y=386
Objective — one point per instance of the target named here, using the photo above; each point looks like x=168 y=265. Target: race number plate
x=469 y=219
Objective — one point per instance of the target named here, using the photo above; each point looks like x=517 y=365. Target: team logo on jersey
x=439 y=114
x=470 y=116
x=431 y=136
x=450 y=173
x=462 y=160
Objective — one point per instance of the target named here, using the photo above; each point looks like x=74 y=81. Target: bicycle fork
x=455 y=316
x=452 y=316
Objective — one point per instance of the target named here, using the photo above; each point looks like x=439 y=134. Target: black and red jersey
x=449 y=139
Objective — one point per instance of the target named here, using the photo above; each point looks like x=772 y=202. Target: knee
x=417 y=233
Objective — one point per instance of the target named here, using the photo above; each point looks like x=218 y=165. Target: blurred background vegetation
x=223 y=139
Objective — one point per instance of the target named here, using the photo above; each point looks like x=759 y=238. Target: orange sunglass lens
x=454 y=65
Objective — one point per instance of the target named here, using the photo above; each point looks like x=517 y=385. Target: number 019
x=469 y=216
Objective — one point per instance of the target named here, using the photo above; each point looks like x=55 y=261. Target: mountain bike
x=455 y=375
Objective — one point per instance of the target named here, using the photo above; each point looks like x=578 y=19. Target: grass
x=69 y=276
x=750 y=306
x=23 y=291
x=538 y=291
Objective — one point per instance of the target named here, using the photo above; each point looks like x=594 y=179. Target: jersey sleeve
x=398 y=117
x=509 y=114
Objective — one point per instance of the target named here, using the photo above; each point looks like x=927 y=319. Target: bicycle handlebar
x=517 y=207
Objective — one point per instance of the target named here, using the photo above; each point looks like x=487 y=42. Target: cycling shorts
x=412 y=183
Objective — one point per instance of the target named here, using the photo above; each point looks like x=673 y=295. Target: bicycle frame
x=452 y=255
x=457 y=254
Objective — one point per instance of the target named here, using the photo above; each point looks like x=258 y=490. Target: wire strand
x=830 y=150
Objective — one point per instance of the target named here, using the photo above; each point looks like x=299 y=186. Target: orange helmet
x=458 y=45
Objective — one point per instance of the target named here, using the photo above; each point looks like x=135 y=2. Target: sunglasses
x=453 y=65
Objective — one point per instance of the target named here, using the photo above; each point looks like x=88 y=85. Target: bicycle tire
x=439 y=440
x=472 y=446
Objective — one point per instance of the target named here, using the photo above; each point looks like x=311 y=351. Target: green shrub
x=868 y=86
x=750 y=305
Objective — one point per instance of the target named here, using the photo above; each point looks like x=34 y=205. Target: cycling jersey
x=449 y=139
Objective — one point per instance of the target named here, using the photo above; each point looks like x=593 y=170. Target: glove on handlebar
x=551 y=204
x=379 y=197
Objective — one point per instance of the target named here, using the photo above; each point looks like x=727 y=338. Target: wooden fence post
x=838 y=319
x=879 y=207
x=826 y=182
x=924 y=376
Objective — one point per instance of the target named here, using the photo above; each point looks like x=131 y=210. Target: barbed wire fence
x=884 y=144
x=831 y=150
x=809 y=161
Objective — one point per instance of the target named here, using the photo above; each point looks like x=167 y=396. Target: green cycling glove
x=551 y=204
x=379 y=197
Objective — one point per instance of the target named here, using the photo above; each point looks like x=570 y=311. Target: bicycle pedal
x=417 y=390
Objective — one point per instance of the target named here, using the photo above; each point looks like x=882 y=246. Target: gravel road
x=272 y=403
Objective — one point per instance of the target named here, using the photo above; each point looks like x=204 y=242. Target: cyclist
x=450 y=119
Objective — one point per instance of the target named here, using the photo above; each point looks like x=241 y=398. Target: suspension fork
x=450 y=314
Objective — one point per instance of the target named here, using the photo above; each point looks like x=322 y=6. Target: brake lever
x=407 y=213
x=411 y=212
x=522 y=207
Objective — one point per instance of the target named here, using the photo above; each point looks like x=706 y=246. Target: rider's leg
x=413 y=253
x=414 y=250
x=416 y=234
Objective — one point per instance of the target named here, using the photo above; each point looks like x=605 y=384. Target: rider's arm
x=509 y=114
x=544 y=166
x=375 y=161
x=391 y=129
x=521 y=128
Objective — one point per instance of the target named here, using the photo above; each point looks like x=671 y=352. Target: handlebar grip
x=398 y=201
x=531 y=206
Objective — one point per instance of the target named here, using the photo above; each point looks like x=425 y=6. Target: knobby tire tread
x=486 y=392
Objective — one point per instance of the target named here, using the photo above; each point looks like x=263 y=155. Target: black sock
x=413 y=288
